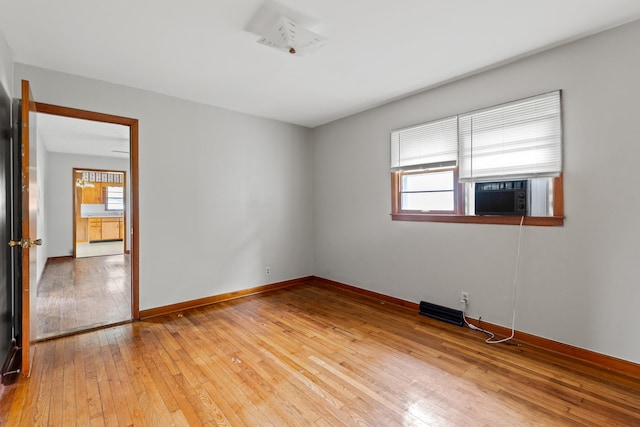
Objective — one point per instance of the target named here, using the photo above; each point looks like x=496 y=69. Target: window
x=430 y=191
x=114 y=198
x=435 y=165
x=521 y=139
x=424 y=158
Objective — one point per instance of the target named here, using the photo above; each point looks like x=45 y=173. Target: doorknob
x=27 y=243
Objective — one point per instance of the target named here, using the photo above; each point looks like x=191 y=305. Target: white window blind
x=520 y=139
x=432 y=144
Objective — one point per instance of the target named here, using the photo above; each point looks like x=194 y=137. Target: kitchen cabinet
x=106 y=229
x=82 y=230
x=110 y=228
x=92 y=195
x=95 y=229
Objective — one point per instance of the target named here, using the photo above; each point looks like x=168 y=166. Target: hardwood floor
x=309 y=355
x=82 y=293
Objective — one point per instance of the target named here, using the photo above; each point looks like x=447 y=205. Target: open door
x=26 y=195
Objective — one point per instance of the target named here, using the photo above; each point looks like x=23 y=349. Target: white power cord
x=491 y=340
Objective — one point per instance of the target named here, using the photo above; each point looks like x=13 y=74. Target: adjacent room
x=85 y=282
x=328 y=213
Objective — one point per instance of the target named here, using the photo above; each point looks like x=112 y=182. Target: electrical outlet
x=267 y=271
x=464 y=297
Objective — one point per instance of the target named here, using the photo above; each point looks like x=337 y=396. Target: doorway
x=99 y=212
x=96 y=283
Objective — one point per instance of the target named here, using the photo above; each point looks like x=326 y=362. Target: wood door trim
x=58 y=110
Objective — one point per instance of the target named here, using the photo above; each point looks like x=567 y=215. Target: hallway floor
x=83 y=293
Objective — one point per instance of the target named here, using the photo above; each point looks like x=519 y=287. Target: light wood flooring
x=83 y=293
x=309 y=355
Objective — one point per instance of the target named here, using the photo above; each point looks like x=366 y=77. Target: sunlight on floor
x=84 y=250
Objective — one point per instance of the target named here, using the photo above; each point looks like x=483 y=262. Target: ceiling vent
x=284 y=29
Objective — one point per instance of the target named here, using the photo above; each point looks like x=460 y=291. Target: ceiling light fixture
x=288 y=36
x=284 y=29
x=82 y=183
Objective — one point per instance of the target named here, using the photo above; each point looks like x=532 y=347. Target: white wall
x=222 y=194
x=578 y=284
x=59 y=194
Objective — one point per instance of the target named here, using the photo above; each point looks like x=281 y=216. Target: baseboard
x=602 y=360
x=57 y=257
x=376 y=295
x=181 y=306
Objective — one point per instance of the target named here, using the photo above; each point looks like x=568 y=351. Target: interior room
x=99 y=212
x=279 y=256
x=83 y=169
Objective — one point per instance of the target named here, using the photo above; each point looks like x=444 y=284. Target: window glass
x=428 y=191
x=115 y=199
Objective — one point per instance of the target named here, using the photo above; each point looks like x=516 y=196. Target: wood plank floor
x=309 y=355
x=82 y=293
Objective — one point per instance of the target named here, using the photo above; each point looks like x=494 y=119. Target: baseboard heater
x=439 y=312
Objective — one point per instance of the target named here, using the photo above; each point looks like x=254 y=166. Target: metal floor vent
x=439 y=312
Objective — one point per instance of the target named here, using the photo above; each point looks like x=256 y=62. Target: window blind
x=520 y=139
x=432 y=144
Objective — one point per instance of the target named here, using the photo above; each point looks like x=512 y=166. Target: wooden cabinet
x=106 y=229
x=82 y=229
x=95 y=229
x=92 y=195
x=110 y=228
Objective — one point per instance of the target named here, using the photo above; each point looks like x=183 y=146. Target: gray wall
x=577 y=284
x=59 y=196
x=222 y=194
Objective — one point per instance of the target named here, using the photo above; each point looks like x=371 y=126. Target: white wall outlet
x=267 y=271
x=464 y=297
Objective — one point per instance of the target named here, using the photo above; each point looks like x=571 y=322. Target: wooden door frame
x=75 y=204
x=133 y=159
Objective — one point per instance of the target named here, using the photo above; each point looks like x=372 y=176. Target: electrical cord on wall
x=491 y=340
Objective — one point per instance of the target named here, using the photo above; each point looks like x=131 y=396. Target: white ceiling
x=378 y=50
x=87 y=137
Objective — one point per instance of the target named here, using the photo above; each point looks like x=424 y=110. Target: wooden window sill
x=548 y=221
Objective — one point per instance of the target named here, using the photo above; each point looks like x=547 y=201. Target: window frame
x=458 y=191
x=397 y=214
